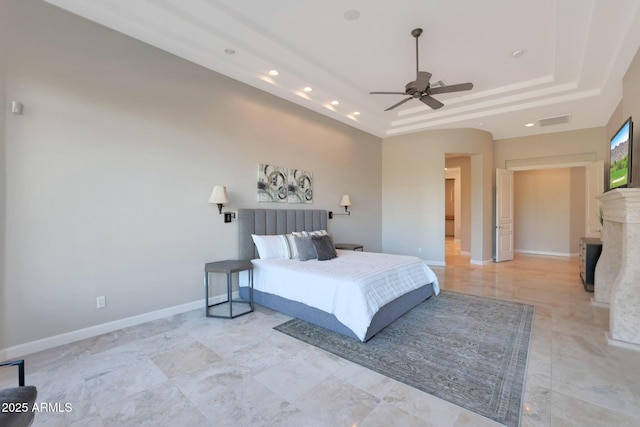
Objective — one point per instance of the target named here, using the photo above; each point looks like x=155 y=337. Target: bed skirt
x=385 y=315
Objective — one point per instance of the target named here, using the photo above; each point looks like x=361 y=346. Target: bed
x=356 y=294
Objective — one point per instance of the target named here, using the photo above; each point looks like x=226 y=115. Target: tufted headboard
x=275 y=221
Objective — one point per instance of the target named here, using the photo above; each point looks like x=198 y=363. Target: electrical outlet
x=101 y=302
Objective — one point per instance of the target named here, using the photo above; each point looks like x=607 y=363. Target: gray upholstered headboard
x=275 y=221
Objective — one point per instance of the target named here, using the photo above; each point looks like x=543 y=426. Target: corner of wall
x=3 y=111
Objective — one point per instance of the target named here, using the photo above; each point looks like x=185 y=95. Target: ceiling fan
x=421 y=89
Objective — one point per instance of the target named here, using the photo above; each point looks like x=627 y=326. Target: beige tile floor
x=188 y=370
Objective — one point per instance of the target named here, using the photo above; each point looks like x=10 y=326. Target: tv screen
x=620 y=156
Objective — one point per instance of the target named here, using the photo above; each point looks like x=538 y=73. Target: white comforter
x=352 y=286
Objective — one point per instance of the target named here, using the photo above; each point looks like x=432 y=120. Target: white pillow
x=275 y=246
x=291 y=244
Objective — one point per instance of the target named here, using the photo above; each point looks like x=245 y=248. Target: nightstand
x=350 y=246
x=228 y=267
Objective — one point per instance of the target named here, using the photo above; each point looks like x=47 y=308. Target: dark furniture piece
x=350 y=246
x=228 y=267
x=590 y=249
x=16 y=403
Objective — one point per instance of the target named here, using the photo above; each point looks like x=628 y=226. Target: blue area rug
x=468 y=350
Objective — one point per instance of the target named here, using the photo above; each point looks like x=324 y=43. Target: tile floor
x=188 y=370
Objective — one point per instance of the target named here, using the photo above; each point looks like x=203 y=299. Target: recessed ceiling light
x=335 y=102
x=356 y=113
x=530 y=125
x=274 y=73
x=518 y=53
x=307 y=89
x=352 y=15
x=229 y=51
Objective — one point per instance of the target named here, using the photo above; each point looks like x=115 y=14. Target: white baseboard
x=483 y=262
x=21 y=350
x=595 y=303
x=543 y=253
x=435 y=263
x=622 y=344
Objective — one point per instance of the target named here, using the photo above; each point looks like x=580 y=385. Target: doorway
x=473 y=213
x=572 y=214
x=457 y=203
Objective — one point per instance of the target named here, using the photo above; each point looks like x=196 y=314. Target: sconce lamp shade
x=219 y=196
x=346 y=202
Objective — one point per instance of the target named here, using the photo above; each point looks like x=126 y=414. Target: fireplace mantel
x=617 y=275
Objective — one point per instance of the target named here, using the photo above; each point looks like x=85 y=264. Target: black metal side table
x=228 y=267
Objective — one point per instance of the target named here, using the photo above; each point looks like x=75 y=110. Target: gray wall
x=543 y=211
x=631 y=107
x=3 y=111
x=578 y=208
x=109 y=170
x=413 y=192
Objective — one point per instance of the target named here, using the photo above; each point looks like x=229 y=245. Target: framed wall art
x=272 y=184
x=300 y=186
x=281 y=185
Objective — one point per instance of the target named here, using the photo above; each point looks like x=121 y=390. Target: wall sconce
x=220 y=197
x=346 y=202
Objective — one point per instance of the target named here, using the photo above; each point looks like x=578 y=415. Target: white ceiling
x=577 y=52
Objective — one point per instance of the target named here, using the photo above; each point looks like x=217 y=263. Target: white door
x=595 y=187
x=504 y=215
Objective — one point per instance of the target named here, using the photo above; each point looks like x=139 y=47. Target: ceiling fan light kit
x=421 y=88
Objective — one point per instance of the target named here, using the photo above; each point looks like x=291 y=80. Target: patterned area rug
x=468 y=350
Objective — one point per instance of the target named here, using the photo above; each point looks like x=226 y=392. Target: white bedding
x=352 y=286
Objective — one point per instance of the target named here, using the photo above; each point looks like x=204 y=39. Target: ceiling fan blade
x=399 y=103
x=451 y=88
x=431 y=102
x=387 y=93
x=422 y=81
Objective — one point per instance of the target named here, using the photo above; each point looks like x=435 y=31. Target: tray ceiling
x=574 y=54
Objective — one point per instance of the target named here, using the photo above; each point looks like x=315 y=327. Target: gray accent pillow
x=306 y=249
x=325 y=250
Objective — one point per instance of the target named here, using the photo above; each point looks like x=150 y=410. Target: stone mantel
x=617 y=276
x=621 y=205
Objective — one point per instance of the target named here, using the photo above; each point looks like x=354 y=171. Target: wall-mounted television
x=620 y=156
